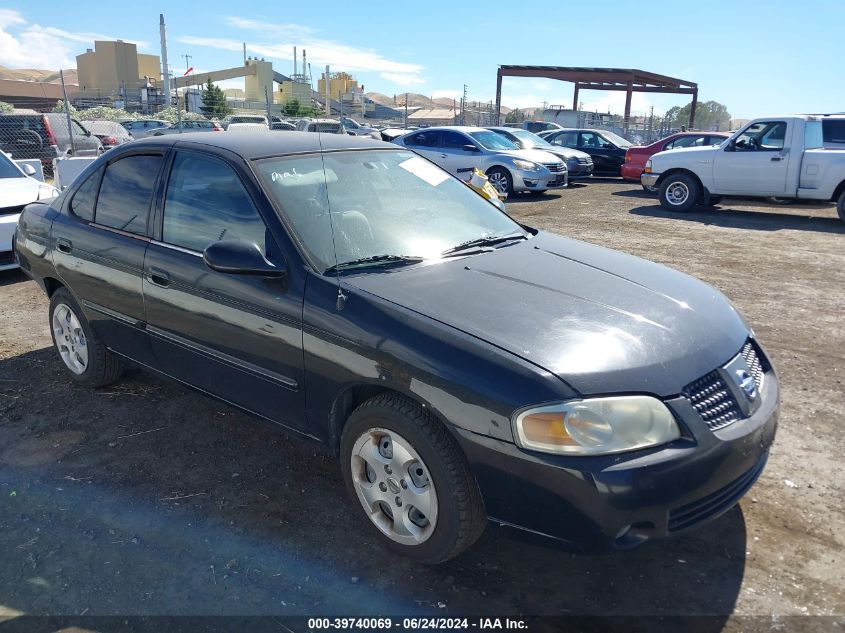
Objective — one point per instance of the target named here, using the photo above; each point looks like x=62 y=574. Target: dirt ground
x=146 y=498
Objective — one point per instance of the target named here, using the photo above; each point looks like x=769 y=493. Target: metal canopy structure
x=626 y=80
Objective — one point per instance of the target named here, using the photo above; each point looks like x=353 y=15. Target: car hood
x=535 y=155
x=686 y=154
x=15 y=192
x=565 y=153
x=602 y=321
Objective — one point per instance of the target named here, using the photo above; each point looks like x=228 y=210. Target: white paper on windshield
x=423 y=169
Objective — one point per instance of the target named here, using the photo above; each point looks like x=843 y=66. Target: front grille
x=715 y=503
x=713 y=400
x=755 y=366
x=555 y=168
x=12 y=210
x=585 y=160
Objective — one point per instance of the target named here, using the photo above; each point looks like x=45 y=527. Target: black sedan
x=606 y=148
x=461 y=365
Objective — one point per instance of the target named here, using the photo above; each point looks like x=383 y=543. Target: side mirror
x=731 y=147
x=29 y=170
x=470 y=148
x=240 y=257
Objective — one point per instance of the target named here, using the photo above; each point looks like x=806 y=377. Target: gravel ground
x=146 y=498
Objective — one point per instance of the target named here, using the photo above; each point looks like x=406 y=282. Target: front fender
x=697 y=161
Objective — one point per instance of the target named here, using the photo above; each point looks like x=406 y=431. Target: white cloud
x=27 y=45
x=279 y=40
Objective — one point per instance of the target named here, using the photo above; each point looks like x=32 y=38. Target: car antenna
x=341 y=298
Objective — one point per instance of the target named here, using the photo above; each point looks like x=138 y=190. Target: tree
x=515 y=116
x=61 y=107
x=214 y=101
x=291 y=108
x=6 y=108
x=708 y=115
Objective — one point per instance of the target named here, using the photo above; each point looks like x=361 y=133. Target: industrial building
x=116 y=68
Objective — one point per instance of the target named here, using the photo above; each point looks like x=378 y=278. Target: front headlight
x=596 y=426
x=526 y=165
x=45 y=192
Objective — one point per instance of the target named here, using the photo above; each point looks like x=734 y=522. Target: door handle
x=443 y=156
x=64 y=246
x=775 y=159
x=158 y=277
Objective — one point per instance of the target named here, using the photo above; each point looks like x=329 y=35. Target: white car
x=460 y=149
x=17 y=189
x=247 y=128
x=782 y=157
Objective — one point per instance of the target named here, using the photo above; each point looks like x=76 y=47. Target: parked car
x=461 y=365
x=249 y=128
x=606 y=148
x=142 y=128
x=636 y=157
x=510 y=169
x=578 y=164
x=833 y=129
x=781 y=157
x=45 y=137
x=17 y=189
x=277 y=123
x=109 y=133
x=353 y=128
x=193 y=125
x=245 y=118
x=325 y=126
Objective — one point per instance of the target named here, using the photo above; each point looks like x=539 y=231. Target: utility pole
x=464 y=106
x=328 y=94
x=67 y=111
x=267 y=101
x=406 y=110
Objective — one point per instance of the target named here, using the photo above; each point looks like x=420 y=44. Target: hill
x=43 y=76
x=416 y=100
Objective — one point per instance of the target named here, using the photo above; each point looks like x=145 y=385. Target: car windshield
x=8 y=169
x=377 y=203
x=490 y=140
x=530 y=140
x=326 y=127
x=617 y=140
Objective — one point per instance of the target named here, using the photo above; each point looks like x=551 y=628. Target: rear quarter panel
x=822 y=171
x=32 y=241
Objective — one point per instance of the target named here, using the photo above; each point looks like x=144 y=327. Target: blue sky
x=757 y=58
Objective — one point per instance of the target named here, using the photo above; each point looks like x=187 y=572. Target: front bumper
x=8 y=224
x=580 y=170
x=623 y=500
x=539 y=180
x=649 y=180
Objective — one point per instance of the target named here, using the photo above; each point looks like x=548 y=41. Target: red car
x=636 y=157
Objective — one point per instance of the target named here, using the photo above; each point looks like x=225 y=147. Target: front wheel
x=411 y=480
x=840 y=206
x=679 y=192
x=501 y=180
x=85 y=356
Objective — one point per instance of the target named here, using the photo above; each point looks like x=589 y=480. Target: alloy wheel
x=70 y=339
x=677 y=193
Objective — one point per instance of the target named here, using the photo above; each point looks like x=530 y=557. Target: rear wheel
x=85 y=356
x=501 y=180
x=840 y=206
x=411 y=480
x=679 y=192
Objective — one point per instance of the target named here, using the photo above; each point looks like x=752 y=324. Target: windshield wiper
x=374 y=260
x=488 y=240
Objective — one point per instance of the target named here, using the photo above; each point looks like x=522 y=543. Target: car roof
x=251 y=146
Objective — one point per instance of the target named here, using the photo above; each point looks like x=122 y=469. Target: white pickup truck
x=780 y=157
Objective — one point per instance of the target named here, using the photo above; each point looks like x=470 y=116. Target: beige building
x=112 y=66
x=339 y=84
x=290 y=90
x=254 y=84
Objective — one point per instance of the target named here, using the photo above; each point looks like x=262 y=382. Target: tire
x=714 y=200
x=83 y=353
x=649 y=189
x=433 y=467
x=840 y=206
x=501 y=179
x=679 y=193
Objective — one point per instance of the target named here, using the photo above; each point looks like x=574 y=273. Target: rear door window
x=423 y=139
x=126 y=193
x=566 y=139
x=83 y=201
x=206 y=202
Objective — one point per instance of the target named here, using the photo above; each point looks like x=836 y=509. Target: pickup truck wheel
x=840 y=206
x=679 y=192
x=87 y=359
x=411 y=480
x=501 y=180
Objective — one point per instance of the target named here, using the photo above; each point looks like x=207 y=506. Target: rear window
x=833 y=130
x=126 y=193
